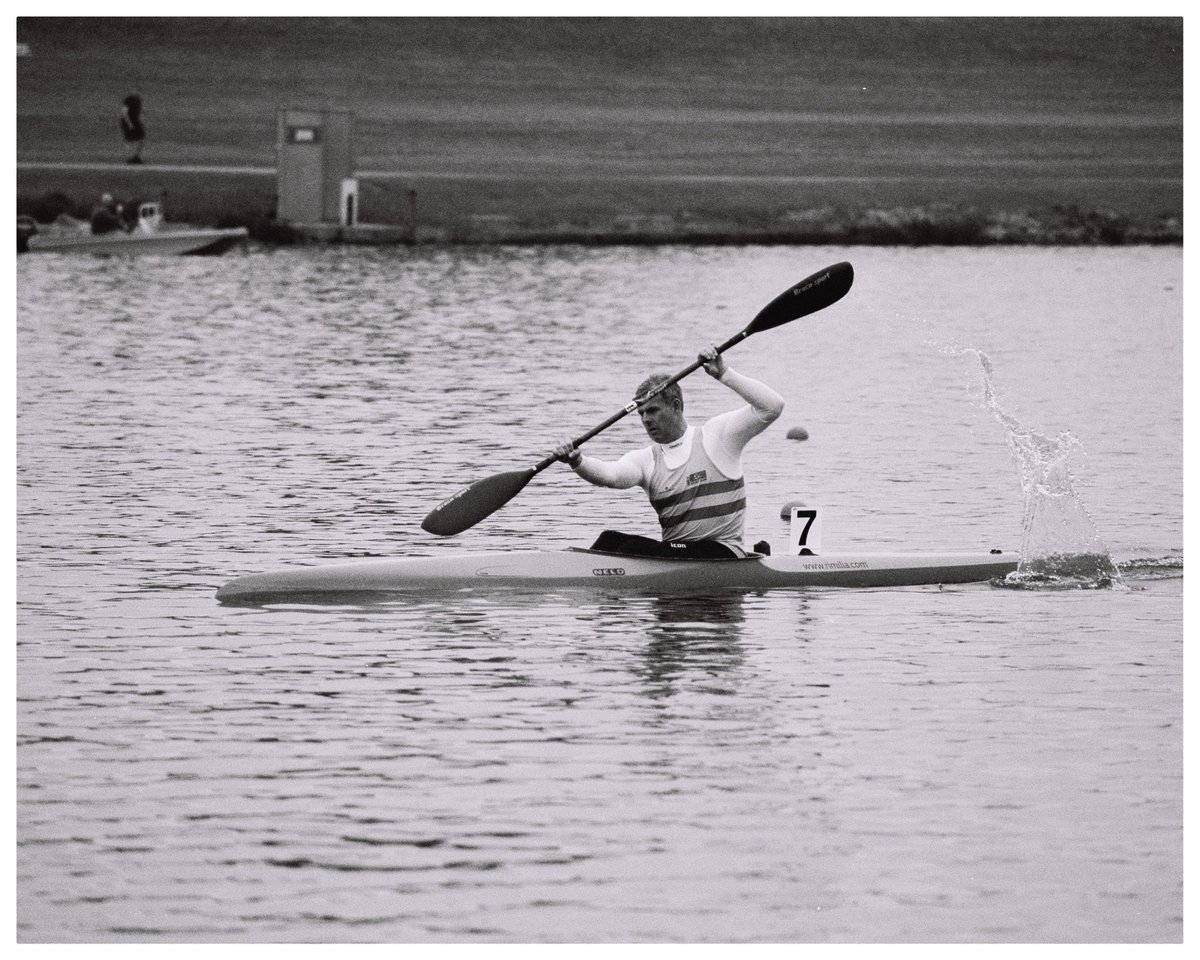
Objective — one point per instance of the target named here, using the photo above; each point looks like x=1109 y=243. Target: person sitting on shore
x=106 y=217
x=694 y=477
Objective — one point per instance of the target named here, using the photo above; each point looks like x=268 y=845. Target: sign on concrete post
x=315 y=157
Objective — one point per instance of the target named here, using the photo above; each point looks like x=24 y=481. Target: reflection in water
x=687 y=638
x=701 y=634
x=671 y=640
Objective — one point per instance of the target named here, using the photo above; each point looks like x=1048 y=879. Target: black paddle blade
x=811 y=294
x=471 y=504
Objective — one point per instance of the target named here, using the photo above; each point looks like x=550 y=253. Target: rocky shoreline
x=935 y=225
x=921 y=225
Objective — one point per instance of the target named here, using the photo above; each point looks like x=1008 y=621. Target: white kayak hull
x=606 y=572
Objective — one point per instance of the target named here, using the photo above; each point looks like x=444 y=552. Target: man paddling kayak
x=694 y=477
x=482 y=498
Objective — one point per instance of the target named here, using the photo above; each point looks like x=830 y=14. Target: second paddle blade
x=471 y=504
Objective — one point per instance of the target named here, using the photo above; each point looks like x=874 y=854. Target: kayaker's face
x=664 y=423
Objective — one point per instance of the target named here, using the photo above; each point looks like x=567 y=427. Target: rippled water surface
x=973 y=763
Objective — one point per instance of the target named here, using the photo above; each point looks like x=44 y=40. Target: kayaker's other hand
x=567 y=453
x=714 y=363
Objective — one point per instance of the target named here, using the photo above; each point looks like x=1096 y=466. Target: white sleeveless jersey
x=696 y=501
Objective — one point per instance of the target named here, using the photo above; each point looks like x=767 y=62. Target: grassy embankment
x=828 y=131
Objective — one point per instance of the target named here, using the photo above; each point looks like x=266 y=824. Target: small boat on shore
x=596 y=570
x=150 y=236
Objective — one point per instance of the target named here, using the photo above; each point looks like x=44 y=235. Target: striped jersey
x=695 y=500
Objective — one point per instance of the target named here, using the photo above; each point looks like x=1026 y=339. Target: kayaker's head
x=662 y=414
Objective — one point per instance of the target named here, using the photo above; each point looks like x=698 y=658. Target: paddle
x=484 y=497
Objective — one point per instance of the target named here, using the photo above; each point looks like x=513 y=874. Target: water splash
x=1060 y=545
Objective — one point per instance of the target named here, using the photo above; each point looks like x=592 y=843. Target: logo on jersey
x=698 y=477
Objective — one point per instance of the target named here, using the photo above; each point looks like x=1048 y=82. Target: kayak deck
x=608 y=572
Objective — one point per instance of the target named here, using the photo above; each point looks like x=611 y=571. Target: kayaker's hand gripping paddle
x=484 y=497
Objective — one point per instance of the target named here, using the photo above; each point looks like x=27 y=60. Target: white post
x=349 y=204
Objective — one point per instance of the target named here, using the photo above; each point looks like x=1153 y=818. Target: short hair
x=672 y=394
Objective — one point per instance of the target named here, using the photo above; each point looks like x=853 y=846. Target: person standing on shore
x=131 y=125
x=693 y=476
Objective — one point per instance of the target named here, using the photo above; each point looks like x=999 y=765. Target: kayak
x=609 y=572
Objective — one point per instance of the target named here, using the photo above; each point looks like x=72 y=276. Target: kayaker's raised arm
x=765 y=402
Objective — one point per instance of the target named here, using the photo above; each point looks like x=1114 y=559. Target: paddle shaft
x=635 y=403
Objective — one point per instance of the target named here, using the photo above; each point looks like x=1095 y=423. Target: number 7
x=810 y=515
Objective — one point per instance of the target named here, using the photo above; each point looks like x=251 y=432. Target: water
x=967 y=764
